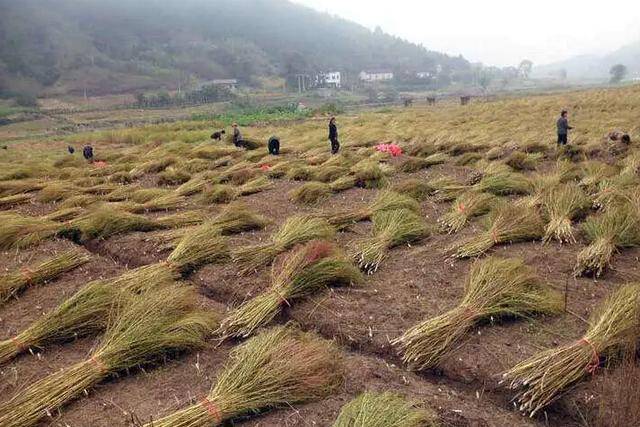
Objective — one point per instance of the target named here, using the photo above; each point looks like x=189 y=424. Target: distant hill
x=594 y=67
x=112 y=46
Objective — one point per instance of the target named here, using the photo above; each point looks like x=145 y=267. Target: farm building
x=375 y=76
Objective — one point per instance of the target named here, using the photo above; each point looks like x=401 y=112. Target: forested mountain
x=109 y=46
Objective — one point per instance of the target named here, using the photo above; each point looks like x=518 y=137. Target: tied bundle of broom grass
x=223 y=193
x=390 y=228
x=32 y=275
x=278 y=367
x=306 y=270
x=415 y=164
x=167 y=202
x=236 y=218
x=310 y=193
x=202 y=245
x=19 y=231
x=386 y=200
x=296 y=229
x=64 y=214
x=494 y=288
x=563 y=204
x=387 y=409
x=505 y=183
x=465 y=207
x=142 y=328
x=541 y=379
x=11 y=201
x=446 y=189
x=616 y=228
x=415 y=188
x=507 y=224
x=86 y=312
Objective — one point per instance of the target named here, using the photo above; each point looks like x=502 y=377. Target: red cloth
x=392 y=149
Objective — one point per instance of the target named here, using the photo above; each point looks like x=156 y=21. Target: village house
x=375 y=76
x=332 y=79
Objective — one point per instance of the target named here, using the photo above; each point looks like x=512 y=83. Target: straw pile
x=387 y=409
x=390 y=228
x=495 y=288
x=302 y=272
x=296 y=229
x=507 y=224
x=278 y=367
x=310 y=193
x=465 y=207
x=12 y=283
x=11 y=201
x=613 y=329
x=142 y=328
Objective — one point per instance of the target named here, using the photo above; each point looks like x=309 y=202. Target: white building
x=424 y=74
x=333 y=79
x=376 y=76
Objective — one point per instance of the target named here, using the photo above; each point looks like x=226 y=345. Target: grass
x=506 y=224
x=310 y=193
x=141 y=329
x=563 y=204
x=390 y=228
x=295 y=230
x=304 y=271
x=278 y=367
x=495 y=288
x=386 y=409
x=540 y=380
x=13 y=283
x=465 y=207
x=615 y=229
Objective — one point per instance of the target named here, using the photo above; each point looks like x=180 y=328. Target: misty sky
x=497 y=32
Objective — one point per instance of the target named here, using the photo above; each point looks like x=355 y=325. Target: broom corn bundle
x=494 y=288
x=278 y=367
x=563 y=204
x=19 y=231
x=390 y=228
x=386 y=200
x=14 y=282
x=202 y=245
x=307 y=269
x=164 y=203
x=141 y=329
x=465 y=207
x=616 y=228
x=64 y=214
x=295 y=230
x=85 y=312
x=613 y=328
x=505 y=183
x=16 y=199
x=507 y=224
x=310 y=193
x=386 y=409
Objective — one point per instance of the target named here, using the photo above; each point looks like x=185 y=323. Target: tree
x=525 y=68
x=618 y=72
x=485 y=78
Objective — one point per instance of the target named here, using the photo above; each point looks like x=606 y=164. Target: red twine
x=265 y=167
x=461 y=208
x=211 y=409
x=101 y=367
x=19 y=344
x=27 y=274
x=494 y=235
x=593 y=365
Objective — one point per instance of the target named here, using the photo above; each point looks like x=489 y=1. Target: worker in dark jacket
x=333 y=136
x=563 y=128
x=237 y=136
x=87 y=153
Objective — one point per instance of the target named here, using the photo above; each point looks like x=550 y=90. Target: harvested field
x=291 y=228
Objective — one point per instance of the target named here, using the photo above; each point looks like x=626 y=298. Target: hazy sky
x=497 y=32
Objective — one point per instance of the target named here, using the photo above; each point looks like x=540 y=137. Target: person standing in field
x=87 y=153
x=563 y=128
x=237 y=136
x=333 y=136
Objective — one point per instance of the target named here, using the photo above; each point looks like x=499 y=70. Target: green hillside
x=67 y=46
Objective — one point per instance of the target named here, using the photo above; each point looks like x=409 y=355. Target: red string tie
x=593 y=365
x=211 y=409
x=100 y=366
x=27 y=275
x=19 y=344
